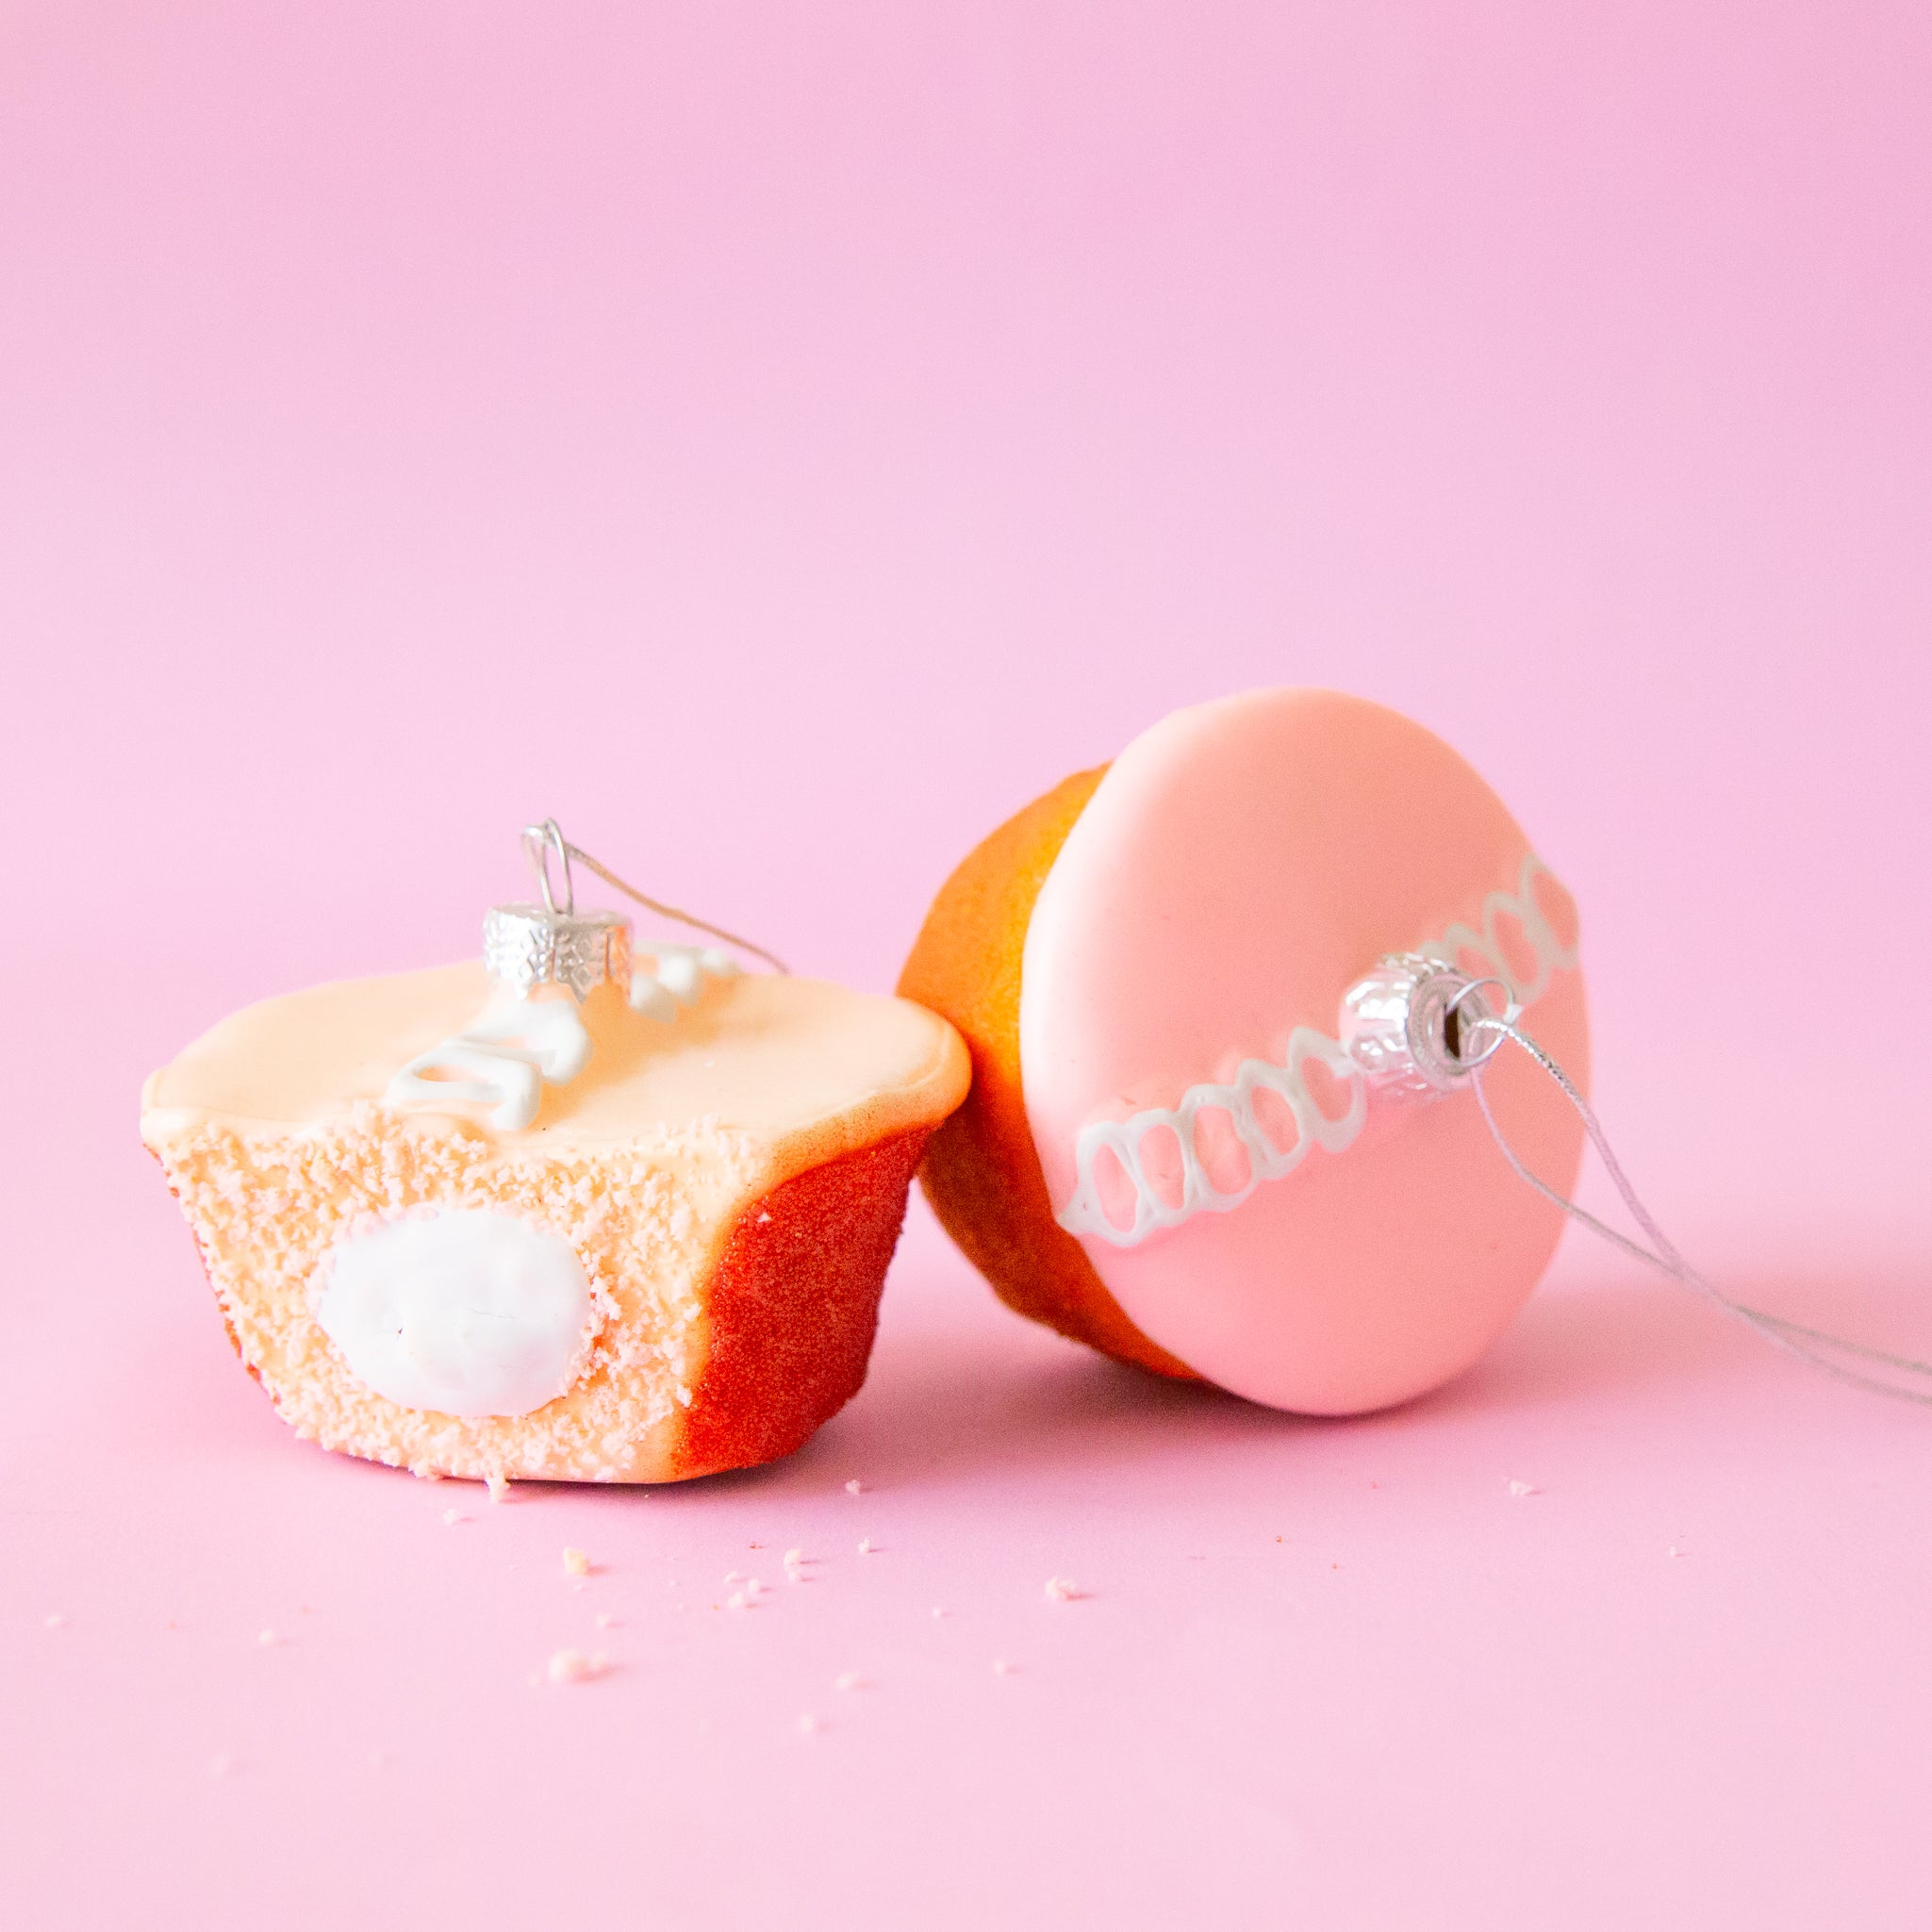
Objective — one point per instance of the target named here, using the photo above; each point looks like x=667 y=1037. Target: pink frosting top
x=1241 y=866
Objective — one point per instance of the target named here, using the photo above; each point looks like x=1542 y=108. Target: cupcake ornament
x=593 y=1207
x=1280 y=1059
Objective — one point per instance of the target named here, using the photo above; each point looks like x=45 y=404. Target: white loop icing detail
x=676 y=976
x=1085 y=1213
x=461 y=1311
x=506 y=1055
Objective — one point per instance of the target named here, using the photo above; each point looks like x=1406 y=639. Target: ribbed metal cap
x=1404 y=1025
x=527 y=945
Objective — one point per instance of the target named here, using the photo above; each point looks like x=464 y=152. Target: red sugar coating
x=793 y=1305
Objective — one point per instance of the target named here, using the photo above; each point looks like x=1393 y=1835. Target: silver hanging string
x=1793 y=1337
x=540 y=841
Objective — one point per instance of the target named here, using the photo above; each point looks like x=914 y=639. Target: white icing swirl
x=500 y=1060
x=1085 y=1212
x=675 y=976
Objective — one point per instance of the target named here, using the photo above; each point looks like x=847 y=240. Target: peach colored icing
x=1238 y=868
x=807 y=1068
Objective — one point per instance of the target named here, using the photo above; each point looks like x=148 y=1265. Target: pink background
x=780 y=441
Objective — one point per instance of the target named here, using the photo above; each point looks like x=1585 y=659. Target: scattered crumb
x=1523 y=1489
x=454 y=1516
x=808 y=1723
x=793 y=1558
x=853 y=1487
x=53 y=1620
x=1674 y=1551
x=1063 y=1590
x=1277 y=1539
x=498 y=1486
x=575 y=1667
x=754 y=1546
x=865 y=1546
x=576 y=1563
x=267 y=1639
x=733 y=1575
x=937 y=1611
x=754 y=1588
x=737 y=1600
x=1002 y=1668
x=604 y=1620
x=850 y=1680
x=221 y=1764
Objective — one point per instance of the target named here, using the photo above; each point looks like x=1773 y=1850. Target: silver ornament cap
x=526 y=945
x=1409 y=1025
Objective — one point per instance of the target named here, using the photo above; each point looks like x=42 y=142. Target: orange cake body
x=981 y=1173
x=673 y=1267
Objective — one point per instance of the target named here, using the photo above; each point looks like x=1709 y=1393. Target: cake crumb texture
x=268 y=1208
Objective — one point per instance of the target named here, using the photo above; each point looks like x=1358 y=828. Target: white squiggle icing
x=1085 y=1212
x=675 y=977
x=461 y=1311
x=500 y=1060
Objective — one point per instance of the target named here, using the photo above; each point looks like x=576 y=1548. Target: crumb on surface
x=865 y=1546
x=733 y=1575
x=576 y=1563
x=498 y=1486
x=604 y=1620
x=53 y=1620
x=848 y=1680
x=736 y=1600
x=1002 y=1668
x=853 y=1487
x=454 y=1516
x=1523 y=1489
x=808 y=1723
x=221 y=1764
x=576 y=1666
x=1062 y=1590
x=268 y=1638
x=1674 y=1551
x=937 y=1611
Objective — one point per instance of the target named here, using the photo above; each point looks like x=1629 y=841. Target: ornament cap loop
x=1413 y=1025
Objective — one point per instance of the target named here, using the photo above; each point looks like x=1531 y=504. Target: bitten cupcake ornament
x=591 y=1208
x=1222 y=1121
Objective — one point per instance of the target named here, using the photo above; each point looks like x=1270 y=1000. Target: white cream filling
x=459 y=1310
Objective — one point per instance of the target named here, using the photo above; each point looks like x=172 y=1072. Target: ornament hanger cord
x=540 y=841
x=1792 y=1336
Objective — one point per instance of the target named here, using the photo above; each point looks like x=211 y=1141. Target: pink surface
x=1241 y=866
x=781 y=446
